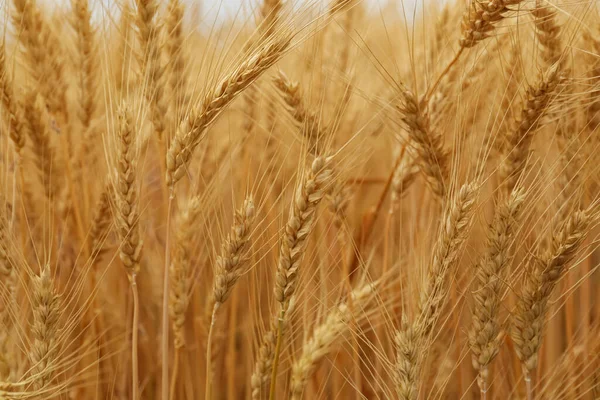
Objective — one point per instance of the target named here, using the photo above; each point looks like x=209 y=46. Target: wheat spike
x=192 y=129
x=45 y=304
x=181 y=267
x=126 y=192
x=544 y=271
x=326 y=335
x=485 y=332
x=428 y=146
x=233 y=257
x=480 y=19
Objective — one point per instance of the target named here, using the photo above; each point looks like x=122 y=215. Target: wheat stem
x=280 y=324
x=433 y=87
x=165 y=305
x=209 y=349
x=134 y=338
x=174 y=373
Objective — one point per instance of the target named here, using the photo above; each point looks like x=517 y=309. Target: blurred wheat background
x=304 y=200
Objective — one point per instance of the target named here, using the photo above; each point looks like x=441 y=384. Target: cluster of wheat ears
x=302 y=200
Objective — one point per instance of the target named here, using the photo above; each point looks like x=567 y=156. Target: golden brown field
x=303 y=200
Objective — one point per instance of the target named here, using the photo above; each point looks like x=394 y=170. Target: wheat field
x=301 y=200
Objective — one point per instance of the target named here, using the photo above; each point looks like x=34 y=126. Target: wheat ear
x=232 y=259
x=100 y=224
x=44 y=54
x=544 y=270
x=432 y=157
x=300 y=223
x=404 y=175
x=413 y=335
x=127 y=219
x=548 y=33
x=152 y=71
x=306 y=120
x=87 y=64
x=177 y=61
x=45 y=304
x=181 y=268
x=181 y=279
x=261 y=376
x=480 y=19
x=518 y=140
x=192 y=129
x=8 y=277
x=229 y=268
x=39 y=125
x=326 y=336
x=12 y=109
x=485 y=333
